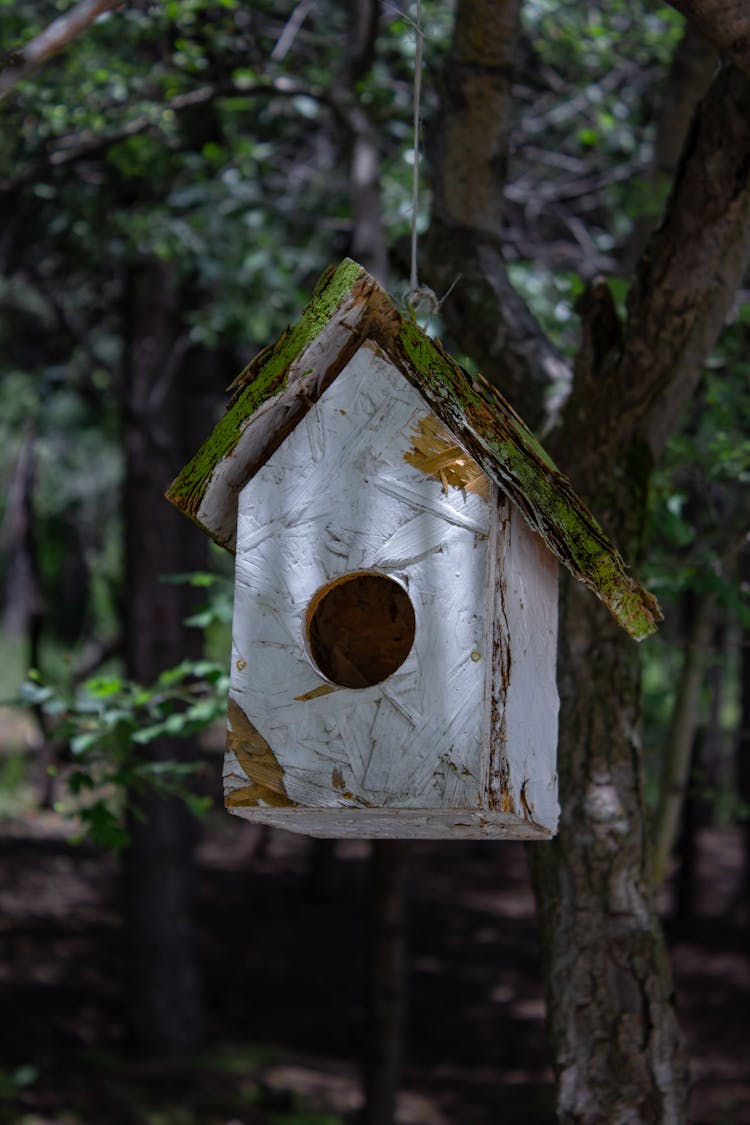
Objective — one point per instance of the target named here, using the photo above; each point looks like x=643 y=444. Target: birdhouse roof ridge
x=274 y=392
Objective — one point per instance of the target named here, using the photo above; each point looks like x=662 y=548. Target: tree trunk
x=22 y=597
x=162 y=419
x=690 y=74
x=386 y=975
x=686 y=881
x=368 y=243
x=743 y=735
x=619 y=1055
x=467 y=149
x=617 y=1046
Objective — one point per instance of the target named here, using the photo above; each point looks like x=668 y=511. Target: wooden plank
x=522 y=700
x=400 y=824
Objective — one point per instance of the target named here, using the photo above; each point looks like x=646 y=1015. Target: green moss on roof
x=263 y=378
x=501 y=443
x=481 y=419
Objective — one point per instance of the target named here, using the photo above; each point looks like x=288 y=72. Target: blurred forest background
x=171 y=186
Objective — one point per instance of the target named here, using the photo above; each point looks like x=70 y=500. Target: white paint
x=524 y=703
x=337 y=496
x=460 y=741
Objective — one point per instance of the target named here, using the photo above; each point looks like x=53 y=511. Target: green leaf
x=79 y=780
x=35 y=694
x=104 y=827
x=82 y=743
x=199 y=578
x=148 y=734
x=103 y=687
x=198 y=806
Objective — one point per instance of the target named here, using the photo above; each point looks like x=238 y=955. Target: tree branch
x=289 y=32
x=685 y=284
x=726 y=23
x=82 y=146
x=678 y=751
x=22 y=64
x=468 y=156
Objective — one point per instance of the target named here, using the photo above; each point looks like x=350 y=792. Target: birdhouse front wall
x=393 y=667
x=340 y=498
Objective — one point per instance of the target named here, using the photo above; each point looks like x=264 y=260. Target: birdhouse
x=397 y=531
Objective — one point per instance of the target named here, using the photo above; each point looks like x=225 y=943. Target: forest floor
x=281 y=934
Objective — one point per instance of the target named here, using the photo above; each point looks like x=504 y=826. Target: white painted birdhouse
x=397 y=531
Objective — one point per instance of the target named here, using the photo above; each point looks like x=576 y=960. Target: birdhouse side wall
x=523 y=699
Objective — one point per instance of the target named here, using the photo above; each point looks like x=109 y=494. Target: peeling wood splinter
x=397 y=530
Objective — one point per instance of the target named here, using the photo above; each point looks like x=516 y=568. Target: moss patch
x=505 y=448
x=484 y=424
x=260 y=380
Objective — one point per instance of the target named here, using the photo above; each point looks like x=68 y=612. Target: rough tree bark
x=617 y=1046
x=693 y=67
x=726 y=23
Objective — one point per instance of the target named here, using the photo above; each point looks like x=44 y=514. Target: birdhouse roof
x=272 y=395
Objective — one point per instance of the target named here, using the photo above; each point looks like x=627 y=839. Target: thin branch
x=684 y=288
x=678 y=753
x=163 y=384
x=693 y=263
x=528 y=189
x=289 y=33
x=22 y=64
x=82 y=146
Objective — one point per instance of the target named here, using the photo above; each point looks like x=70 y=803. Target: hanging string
x=418 y=297
x=414 y=279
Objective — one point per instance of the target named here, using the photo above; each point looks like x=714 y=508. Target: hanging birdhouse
x=397 y=531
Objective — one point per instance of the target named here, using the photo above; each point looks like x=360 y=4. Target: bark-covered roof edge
x=481 y=419
x=501 y=443
x=262 y=379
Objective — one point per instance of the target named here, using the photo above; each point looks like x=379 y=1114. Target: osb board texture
x=279 y=387
x=396 y=824
x=339 y=496
x=270 y=397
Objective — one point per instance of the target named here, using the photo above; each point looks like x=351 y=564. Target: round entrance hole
x=360 y=629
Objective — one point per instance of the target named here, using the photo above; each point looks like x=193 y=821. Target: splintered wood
x=436 y=453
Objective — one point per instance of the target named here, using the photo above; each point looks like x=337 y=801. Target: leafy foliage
x=701 y=505
x=108 y=724
x=175 y=132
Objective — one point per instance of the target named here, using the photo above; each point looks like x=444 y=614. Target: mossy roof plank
x=263 y=378
x=477 y=414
